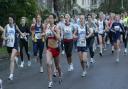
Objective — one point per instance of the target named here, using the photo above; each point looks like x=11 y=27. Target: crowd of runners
x=85 y=34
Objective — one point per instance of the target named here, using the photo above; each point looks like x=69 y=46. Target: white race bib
x=38 y=35
x=117 y=28
x=10 y=41
x=82 y=43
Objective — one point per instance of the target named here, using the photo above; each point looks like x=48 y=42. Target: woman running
x=24 y=43
x=110 y=22
x=38 y=41
x=60 y=26
x=117 y=28
x=101 y=33
x=125 y=34
x=68 y=41
x=10 y=37
x=81 y=44
x=53 y=51
x=91 y=37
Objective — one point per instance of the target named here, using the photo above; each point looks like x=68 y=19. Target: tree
x=114 y=6
x=19 y=8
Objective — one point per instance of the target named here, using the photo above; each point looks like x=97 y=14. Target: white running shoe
x=63 y=52
x=29 y=63
x=71 y=67
x=1 y=84
x=125 y=52
x=41 y=69
x=10 y=77
x=92 y=61
x=50 y=84
x=117 y=60
x=84 y=73
x=22 y=64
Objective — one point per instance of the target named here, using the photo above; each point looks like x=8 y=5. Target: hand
x=74 y=36
x=43 y=34
x=87 y=37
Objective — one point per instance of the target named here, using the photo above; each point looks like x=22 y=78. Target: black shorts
x=82 y=49
x=9 y=49
x=102 y=35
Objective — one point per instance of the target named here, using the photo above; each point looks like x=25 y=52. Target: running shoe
x=54 y=75
x=22 y=64
x=50 y=84
x=117 y=60
x=63 y=52
x=84 y=73
x=112 y=51
x=92 y=61
x=70 y=68
x=125 y=52
x=41 y=69
x=60 y=80
x=10 y=77
x=100 y=54
x=29 y=63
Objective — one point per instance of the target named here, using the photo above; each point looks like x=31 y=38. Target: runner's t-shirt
x=81 y=42
x=10 y=35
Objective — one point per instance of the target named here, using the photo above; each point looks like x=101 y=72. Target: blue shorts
x=116 y=36
x=82 y=49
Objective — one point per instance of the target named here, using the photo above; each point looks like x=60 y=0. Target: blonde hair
x=24 y=19
x=67 y=15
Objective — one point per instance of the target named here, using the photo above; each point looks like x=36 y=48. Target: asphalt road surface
x=105 y=74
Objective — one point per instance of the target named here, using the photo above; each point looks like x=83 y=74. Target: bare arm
x=56 y=32
x=3 y=35
x=90 y=32
x=75 y=34
x=1 y=29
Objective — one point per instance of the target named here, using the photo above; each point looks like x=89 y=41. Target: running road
x=105 y=74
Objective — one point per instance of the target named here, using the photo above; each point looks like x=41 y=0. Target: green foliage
x=113 y=6
x=19 y=8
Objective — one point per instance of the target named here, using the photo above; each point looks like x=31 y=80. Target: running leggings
x=90 y=42
x=24 y=44
x=62 y=44
x=68 y=46
x=125 y=39
x=38 y=46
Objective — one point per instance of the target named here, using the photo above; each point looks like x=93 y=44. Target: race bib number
x=82 y=42
x=38 y=35
x=10 y=41
x=117 y=28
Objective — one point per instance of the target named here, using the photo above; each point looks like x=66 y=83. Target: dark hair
x=54 y=15
x=89 y=15
x=12 y=16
